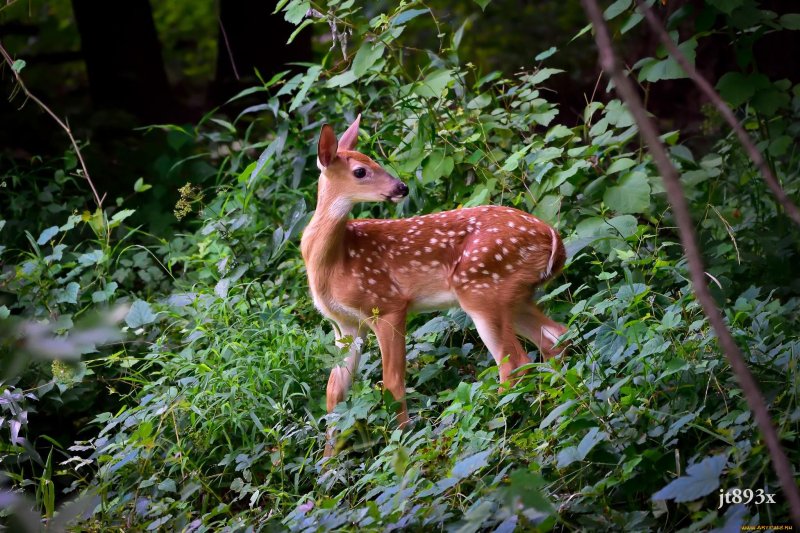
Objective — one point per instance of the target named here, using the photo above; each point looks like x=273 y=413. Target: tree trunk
x=252 y=38
x=123 y=58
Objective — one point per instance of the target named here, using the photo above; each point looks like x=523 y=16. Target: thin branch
x=755 y=155
x=7 y=58
x=672 y=184
x=228 y=48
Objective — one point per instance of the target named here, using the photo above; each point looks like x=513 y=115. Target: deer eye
x=360 y=172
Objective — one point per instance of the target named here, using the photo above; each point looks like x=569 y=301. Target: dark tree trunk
x=252 y=38
x=123 y=58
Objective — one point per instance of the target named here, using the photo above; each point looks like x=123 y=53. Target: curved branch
x=10 y=62
x=672 y=184
x=755 y=155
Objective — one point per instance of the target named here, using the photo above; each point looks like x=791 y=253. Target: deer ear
x=350 y=137
x=327 y=146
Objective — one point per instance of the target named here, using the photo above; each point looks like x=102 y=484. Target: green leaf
x=91 y=258
x=105 y=294
x=119 y=216
x=483 y=4
x=308 y=80
x=726 y=6
x=701 y=479
x=528 y=486
x=139 y=314
x=470 y=464
x=548 y=208
x=168 y=485
x=791 y=21
x=4 y=312
x=541 y=56
x=300 y=28
x=46 y=235
x=631 y=23
x=18 y=65
x=543 y=74
x=433 y=84
x=555 y=413
x=437 y=165
x=405 y=16
x=141 y=186
x=296 y=10
x=512 y=161
x=735 y=88
x=623 y=163
x=617 y=8
x=342 y=80
x=632 y=195
x=69 y=294
x=224 y=123
x=366 y=56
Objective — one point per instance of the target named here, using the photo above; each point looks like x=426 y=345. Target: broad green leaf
x=617 y=8
x=296 y=10
x=69 y=294
x=18 y=65
x=308 y=80
x=543 y=74
x=119 y=216
x=528 y=487
x=791 y=21
x=46 y=235
x=483 y=4
x=105 y=294
x=623 y=163
x=4 y=312
x=405 y=16
x=702 y=479
x=726 y=6
x=470 y=464
x=437 y=165
x=548 y=208
x=366 y=56
x=736 y=88
x=168 y=485
x=139 y=314
x=141 y=186
x=632 y=195
x=541 y=56
x=512 y=162
x=91 y=258
x=555 y=413
x=433 y=84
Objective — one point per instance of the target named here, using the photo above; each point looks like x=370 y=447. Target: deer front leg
x=342 y=376
x=391 y=332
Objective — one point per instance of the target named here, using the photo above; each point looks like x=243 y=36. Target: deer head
x=350 y=175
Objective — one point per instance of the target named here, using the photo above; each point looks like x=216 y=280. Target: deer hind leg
x=342 y=376
x=391 y=332
x=496 y=328
x=537 y=327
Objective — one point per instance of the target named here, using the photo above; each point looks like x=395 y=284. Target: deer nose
x=401 y=190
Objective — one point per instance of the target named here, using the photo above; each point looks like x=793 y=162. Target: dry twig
x=672 y=184
x=748 y=144
x=10 y=62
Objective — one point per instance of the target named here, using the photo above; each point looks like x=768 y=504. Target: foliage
x=217 y=359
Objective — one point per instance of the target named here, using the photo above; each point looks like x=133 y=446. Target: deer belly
x=433 y=301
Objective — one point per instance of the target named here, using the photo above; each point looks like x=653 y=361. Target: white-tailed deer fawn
x=371 y=273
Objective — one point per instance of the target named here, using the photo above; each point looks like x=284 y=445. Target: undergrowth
x=193 y=366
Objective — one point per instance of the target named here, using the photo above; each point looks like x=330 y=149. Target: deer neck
x=322 y=244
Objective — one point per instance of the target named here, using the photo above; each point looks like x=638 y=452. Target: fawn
x=371 y=273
